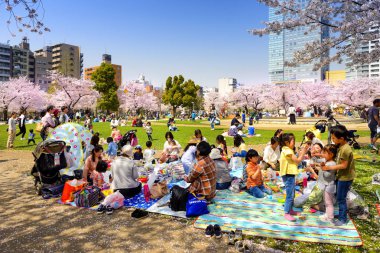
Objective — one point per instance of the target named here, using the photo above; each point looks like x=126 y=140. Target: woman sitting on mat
x=125 y=174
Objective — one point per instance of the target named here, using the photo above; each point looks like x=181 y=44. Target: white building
x=227 y=85
x=365 y=70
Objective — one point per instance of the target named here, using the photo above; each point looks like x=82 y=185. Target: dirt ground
x=31 y=224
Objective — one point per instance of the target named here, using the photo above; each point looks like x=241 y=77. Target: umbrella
x=73 y=134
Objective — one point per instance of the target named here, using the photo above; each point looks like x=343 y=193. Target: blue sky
x=202 y=39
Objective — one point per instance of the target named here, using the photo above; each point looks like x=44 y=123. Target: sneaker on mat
x=324 y=218
x=231 y=238
x=101 y=209
x=289 y=217
x=217 y=231
x=339 y=223
x=209 y=231
x=109 y=210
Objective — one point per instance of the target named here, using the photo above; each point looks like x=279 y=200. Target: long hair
x=96 y=149
x=220 y=139
x=198 y=132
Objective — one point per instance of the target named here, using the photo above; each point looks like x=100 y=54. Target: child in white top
x=149 y=153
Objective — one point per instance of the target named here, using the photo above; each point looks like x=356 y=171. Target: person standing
x=374 y=122
x=21 y=125
x=64 y=118
x=11 y=130
x=292 y=115
x=47 y=122
x=243 y=117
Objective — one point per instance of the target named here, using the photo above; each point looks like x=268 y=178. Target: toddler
x=116 y=135
x=288 y=170
x=149 y=131
x=97 y=175
x=138 y=155
x=149 y=153
x=31 y=137
x=255 y=184
x=112 y=148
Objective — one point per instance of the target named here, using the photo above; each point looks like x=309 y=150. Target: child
x=112 y=148
x=198 y=135
x=346 y=170
x=173 y=127
x=149 y=130
x=328 y=183
x=222 y=144
x=116 y=135
x=311 y=136
x=288 y=170
x=172 y=151
x=138 y=155
x=188 y=158
x=31 y=137
x=97 y=175
x=149 y=153
x=255 y=184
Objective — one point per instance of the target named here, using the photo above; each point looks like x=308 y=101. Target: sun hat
x=127 y=150
x=215 y=154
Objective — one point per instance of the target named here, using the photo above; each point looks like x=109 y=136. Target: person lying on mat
x=203 y=176
x=125 y=173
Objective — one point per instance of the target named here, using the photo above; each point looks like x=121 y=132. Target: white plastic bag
x=236 y=163
x=115 y=200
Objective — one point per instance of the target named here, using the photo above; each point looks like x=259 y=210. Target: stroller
x=321 y=125
x=128 y=138
x=49 y=158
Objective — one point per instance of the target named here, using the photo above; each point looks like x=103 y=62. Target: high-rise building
x=107 y=59
x=5 y=62
x=227 y=85
x=365 y=70
x=43 y=63
x=282 y=47
x=67 y=59
x=22 y=60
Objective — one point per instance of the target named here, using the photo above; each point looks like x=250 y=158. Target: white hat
x=215 y=154
x=127 y=150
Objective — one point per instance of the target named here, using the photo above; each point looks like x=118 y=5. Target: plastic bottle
x=304 y=182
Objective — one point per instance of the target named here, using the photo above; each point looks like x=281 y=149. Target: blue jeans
x=342 y=188
x=290 y=185
x=258 y=191
x=223 y=186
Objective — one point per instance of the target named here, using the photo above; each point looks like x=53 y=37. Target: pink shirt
x=47 y=120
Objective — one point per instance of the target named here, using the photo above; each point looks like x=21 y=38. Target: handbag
x=196 y=205
x=158 y=190
x=88 y=196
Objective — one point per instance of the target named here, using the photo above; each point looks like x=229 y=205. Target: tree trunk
x=5 y=113
x=174 y=110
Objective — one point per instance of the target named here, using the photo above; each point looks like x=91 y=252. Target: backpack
x=178 y=198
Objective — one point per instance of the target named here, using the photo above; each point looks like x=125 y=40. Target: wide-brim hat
x=127 y=150
x=215 y=154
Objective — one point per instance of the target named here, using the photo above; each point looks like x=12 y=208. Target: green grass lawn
x=368 y=229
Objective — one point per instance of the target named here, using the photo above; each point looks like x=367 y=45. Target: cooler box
x=251 y=130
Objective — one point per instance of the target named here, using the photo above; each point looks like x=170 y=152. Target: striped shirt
x=203 y=178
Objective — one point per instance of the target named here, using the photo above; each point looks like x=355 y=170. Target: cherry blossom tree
x=358 y=93
x=313 y=94
x=19 y=94
x=249 y=97
x=72 y=92
x=212 y=101
x=25 y=14
x=134 y=98
x=277 y=97
x=350 y=23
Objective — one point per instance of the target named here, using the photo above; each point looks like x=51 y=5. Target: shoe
x=373 y=147
x=231 y=238
x=101 y=209
x=324 y=218
x=209 y=231
x=217 y=231
x=312 y=210
x=109 y=210
x=239 y=246
x=339 y=223
x=238 y=234
x=289 y=217
x=294 y=213
x=139 y=214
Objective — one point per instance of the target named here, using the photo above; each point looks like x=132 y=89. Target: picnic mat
x=264 y=217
